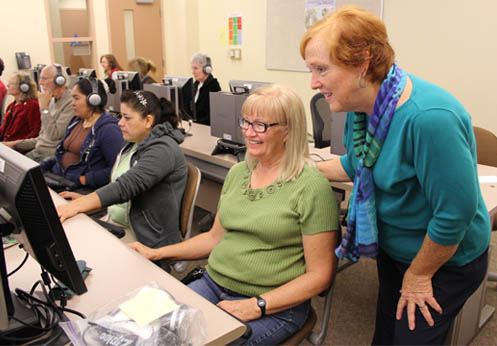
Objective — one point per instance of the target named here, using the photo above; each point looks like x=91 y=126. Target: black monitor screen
x=27 y=210
x=186 y=105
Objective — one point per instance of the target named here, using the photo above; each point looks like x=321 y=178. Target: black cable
x=20 y=265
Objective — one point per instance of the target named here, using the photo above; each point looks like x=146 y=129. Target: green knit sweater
x=262 y=248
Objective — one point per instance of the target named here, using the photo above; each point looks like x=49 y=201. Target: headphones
x=59 y=78
x=93 y=99
x=207 y=68
x=24 y=86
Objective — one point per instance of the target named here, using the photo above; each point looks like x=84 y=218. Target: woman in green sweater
x=270 y=248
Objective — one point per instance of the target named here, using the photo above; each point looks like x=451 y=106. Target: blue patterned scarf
x=361 y=238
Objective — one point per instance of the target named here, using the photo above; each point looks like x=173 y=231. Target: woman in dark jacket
x=204 y=84
x=88 y=150
x=149 y=175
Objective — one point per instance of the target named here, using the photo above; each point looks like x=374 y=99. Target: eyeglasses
x=257 y=126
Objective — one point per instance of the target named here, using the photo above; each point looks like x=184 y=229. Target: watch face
x=261 y=303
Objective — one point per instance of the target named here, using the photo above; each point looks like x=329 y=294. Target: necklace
x=87 y=123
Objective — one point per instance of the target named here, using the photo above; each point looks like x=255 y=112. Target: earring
x=362 y=84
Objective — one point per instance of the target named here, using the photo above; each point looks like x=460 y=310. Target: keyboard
x=115 y=230
x=57 y=182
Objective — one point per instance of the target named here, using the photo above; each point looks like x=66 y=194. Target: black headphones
x=93 y=99
x=24 y=85
x=59 y=78
x=207 y=68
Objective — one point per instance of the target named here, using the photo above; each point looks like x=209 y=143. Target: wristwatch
x=44 y=111
x=261 y=303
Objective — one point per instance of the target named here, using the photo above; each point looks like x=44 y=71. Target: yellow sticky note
x=148 y=305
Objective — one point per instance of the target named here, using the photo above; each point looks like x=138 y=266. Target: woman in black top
x=203 y=84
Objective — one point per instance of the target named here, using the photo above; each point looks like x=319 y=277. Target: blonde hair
x=286 y=107
x=142 y=66
x=32 y=93
x=348 y=33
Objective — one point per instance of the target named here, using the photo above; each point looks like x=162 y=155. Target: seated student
x=271 y=246
x=56 y=112
x=88 y=150
x=143 y=67
x=203 y=84
x=149 y=175
x=110 y=65
x=22 y=117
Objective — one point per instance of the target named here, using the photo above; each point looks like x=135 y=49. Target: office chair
x=321 y=115
x=188 y=207
x=486 y=153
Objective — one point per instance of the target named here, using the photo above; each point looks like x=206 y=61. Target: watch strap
x=261 y=303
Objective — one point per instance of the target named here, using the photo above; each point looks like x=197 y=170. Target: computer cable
x=20 y=265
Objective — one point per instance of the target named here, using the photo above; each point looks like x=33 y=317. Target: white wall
x=448 y=42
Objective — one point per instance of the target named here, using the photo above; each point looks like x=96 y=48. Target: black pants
x=452 y=286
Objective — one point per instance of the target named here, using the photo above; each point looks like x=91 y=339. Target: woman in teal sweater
x=270 y=246
x=416 y=204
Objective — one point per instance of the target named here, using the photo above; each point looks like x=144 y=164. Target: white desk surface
x=117 y=270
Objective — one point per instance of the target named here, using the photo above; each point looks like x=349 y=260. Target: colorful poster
x=316 y=10
x=235 y=29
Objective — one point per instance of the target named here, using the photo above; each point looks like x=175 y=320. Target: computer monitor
x=127 y=80
x=168 y=92
x=184 y=85
x=244 y=86
x=124 y=80
x=87 y=73
x=28 y=214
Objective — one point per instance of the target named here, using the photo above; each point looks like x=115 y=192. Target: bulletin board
x=285 y=27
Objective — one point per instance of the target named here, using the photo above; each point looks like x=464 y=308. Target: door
x=136 y=30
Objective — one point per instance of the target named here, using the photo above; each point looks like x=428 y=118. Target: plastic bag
x=147 y=316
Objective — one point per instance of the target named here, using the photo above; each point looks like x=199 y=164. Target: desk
x=117 y=270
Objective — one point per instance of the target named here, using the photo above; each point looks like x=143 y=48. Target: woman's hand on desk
x=245 y=309
x=70 y=195
x=145 y=251
x=66 y=211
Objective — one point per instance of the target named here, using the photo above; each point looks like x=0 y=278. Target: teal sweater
x=426 y=178
x=262 y=247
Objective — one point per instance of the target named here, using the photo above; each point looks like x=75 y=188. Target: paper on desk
x=487 y=179
x=148 y=305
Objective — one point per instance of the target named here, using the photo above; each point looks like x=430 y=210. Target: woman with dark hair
x=22 y=116
x=109 y=64
x=150 y=172
x=88 y=150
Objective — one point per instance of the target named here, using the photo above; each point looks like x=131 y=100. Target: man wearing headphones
x=56 y=112
x=204 y=83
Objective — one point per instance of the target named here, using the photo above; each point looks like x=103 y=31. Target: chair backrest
x=321 y=115
x=189 y=197
x=327 y=125
x=486 y=147
x=2 y=108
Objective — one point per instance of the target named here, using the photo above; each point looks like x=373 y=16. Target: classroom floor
x=354 y=302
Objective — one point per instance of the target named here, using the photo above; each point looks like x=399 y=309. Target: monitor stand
x=225 y=146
